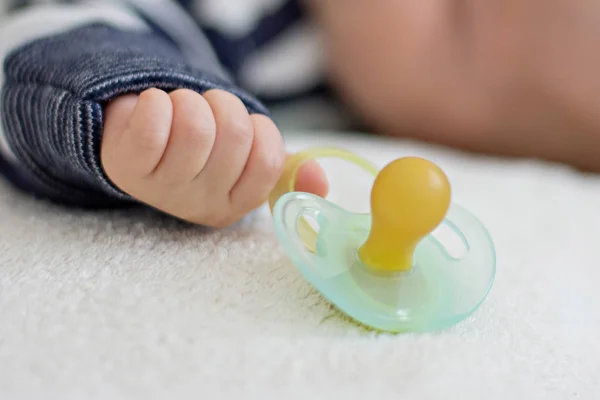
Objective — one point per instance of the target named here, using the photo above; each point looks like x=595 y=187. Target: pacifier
x=385 y=269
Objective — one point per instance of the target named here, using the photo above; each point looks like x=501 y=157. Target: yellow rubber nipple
x=409 y=199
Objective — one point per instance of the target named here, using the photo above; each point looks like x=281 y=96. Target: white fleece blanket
x=122 y=305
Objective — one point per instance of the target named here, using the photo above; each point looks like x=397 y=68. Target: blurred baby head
x=517 y=77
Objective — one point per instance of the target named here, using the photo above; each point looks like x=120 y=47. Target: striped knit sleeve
x=61 y=63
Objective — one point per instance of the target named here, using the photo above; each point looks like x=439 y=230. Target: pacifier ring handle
x=287 y=182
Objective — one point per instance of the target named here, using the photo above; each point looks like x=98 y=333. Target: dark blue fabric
x=13 y=176
x=53 y=98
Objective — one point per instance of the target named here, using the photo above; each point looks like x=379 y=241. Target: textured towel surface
x=128 y=305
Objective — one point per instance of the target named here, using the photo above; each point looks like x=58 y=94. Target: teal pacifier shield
x=438 y=292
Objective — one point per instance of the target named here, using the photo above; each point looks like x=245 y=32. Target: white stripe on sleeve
x=292 y=63
x=234 y=17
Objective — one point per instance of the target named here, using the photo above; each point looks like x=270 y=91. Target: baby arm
x=102 y=110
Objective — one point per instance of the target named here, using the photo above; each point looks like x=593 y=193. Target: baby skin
x=515 y=78
x=507 y=77
x=201 y=158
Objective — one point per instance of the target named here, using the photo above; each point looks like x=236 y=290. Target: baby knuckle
x=201 y=133
x=151 y=95
x=272 y=167
x=181 y=94
x=185 y=99
x=149 y=139
x=240 y=130
x=193 y=117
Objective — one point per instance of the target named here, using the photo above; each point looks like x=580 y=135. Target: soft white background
x=127 y=305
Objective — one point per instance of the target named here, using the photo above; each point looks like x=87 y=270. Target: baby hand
x=201 y=158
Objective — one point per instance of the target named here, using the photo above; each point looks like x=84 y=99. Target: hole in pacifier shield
x=453 y=242
x=349 y=185
x=312 y=222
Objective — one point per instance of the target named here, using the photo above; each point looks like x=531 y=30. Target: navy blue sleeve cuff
x=53 y=98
